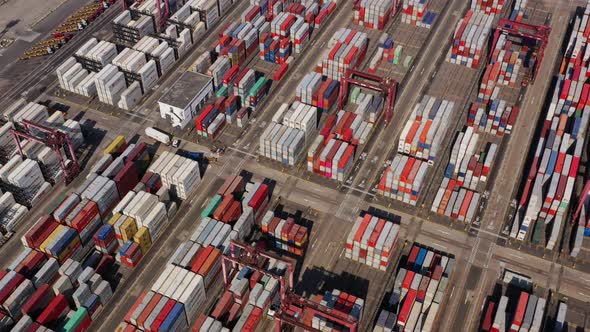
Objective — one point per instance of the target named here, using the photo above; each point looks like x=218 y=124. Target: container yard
x=540 y=216
x=246 y=165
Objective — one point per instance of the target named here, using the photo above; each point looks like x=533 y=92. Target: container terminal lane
x=483 y=251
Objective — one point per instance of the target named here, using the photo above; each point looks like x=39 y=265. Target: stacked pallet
x=418 y=291
x=470 y=38
x=424 y=132
x=346 y=49
x=342 y=304
x=555 y=163
x=495 y=118
x=487 y=6
x=372 y=241
x=285 y=138
x=403 y=179
x=374 y=14
x=285 y=234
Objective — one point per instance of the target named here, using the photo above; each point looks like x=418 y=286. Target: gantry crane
x=293 y=307
x=386 y=86
x=540 y=33
x=52 y=138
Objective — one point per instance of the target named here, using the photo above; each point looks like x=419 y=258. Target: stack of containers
x=110 y=84
x=38 y=292
x=517 y=310
x=244 y=83
x=226 y=206
x=218 y=69
x=247 y=298
x=179 y=174
x=372 y=241
x=555 y=163
x=470 y=38
x=403 y=179
x=424 y=132
x=503 y=68
x=285 y=138
x=495 y=118
x=418 y=291
x=487 y=6
x=331 y=154
x=257 y=93
x=285 y=234
x=193 y=272
x=581 y=226
x=315 y=91
x=414 y=11
x=341 y=303
x=346 y=49
x=518 y=11
x=465 y=177
x=128 y=30
x=326 y=10
x=210 y=122
x=374 y=14
x=24 y=179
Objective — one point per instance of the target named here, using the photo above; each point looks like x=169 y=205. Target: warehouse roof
x=183 y=91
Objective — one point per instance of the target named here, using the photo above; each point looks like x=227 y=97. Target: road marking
x=586 y=295
x=444 y=232
x=440 y=246
x=517 y=256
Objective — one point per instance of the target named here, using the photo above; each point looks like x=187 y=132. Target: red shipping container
x=38 y=301
x=126 y=179
x=44 y=226
x=133 y=308
x=259 y=197
x=148 y=310
x=85 y=216
x=57 y=308
x=404 y=313
x=162 y=315
x=33 y=263
x=197 y=326
x=200 y=258
x=253 y=320
x=223 y=305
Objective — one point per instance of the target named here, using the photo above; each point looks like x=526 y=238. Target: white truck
x=159 y=135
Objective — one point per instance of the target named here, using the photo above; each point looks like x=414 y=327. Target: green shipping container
x=538 y=232
x=211 y=206
x=257 y=86
x=397 y=55
x=355 y=94
x=408 y=61
x=223 y=92
x=77 y=319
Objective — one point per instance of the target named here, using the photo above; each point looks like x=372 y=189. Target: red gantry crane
x=539 y=33
x=55 y=140
x=293 y=307
x=386 y=86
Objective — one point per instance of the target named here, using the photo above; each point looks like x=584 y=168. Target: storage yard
x=246 y=165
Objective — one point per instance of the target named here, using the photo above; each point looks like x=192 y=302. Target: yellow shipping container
x=143 y=239
x=128 y=229
x=43 y=246
x=72 y=246
x=115 y=144
x=114 y=219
